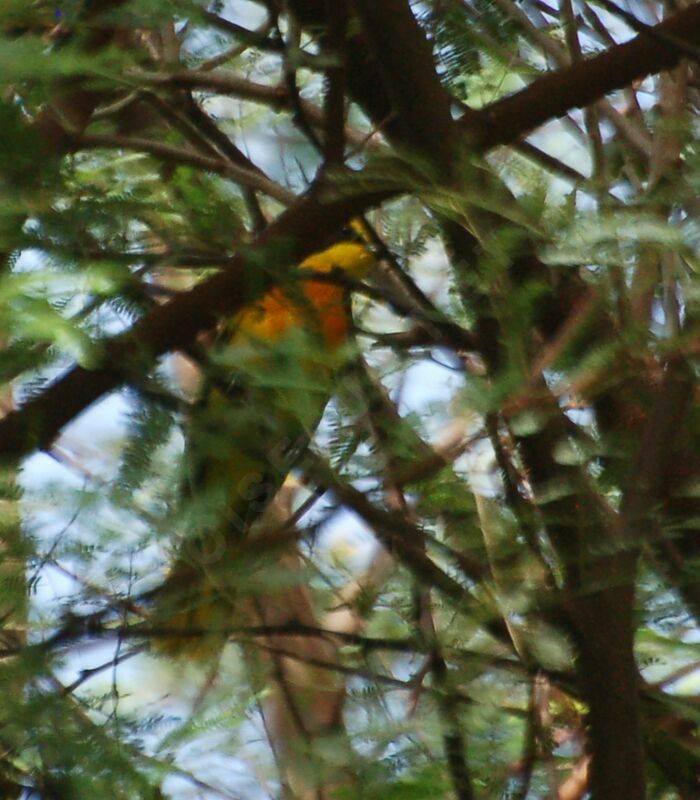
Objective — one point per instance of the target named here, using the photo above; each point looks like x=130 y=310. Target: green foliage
x=213 y=211
x=459 y=46
x=496 y=422
x=421 y=782
x=150 y=428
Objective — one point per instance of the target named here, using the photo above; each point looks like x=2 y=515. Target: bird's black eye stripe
x=349 y=234
x=352 y=232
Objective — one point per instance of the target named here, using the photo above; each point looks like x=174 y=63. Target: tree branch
x=578 y=85
x=252 y=179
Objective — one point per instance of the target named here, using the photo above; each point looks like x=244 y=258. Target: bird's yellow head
x=352 y=255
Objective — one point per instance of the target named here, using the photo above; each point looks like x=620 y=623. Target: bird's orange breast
x=321 y=307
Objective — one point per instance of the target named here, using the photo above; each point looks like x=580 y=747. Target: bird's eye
x=358 y=231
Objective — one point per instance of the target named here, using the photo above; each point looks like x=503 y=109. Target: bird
x=269 y=379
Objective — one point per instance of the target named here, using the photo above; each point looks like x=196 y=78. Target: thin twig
x=178 y=155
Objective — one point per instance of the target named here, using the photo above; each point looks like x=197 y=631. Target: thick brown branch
x=403 y=61
x=580 y=84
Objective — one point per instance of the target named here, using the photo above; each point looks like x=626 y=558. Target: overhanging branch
x=580 y=84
